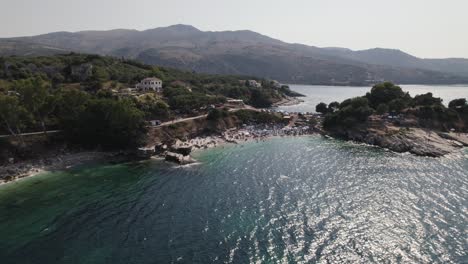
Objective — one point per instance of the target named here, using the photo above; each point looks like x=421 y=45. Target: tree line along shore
x=85 y=101
x=389 y=117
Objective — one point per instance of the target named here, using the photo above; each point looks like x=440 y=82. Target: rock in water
x=186 y=150
x=178 y=158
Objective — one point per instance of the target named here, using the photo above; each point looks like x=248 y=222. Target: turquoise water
x=327 y=94
x=285 y=200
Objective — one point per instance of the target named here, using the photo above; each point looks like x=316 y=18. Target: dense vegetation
x=389 y=99
x=85 y=96
x=253 y=117
x=87 y=120
x=93 y=73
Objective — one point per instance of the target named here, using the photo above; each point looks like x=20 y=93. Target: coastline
x=417 y=141
x=14 y=172
x=54 y=161
x=230 y=136
x=288 y=101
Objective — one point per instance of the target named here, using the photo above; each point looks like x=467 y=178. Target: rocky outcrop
x=52 y=162
x=184 y=150
x=146 y=152
x=413 y=140
x=178 y=158
x=459 y=137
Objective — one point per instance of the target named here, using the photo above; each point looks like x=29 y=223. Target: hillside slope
x=249 y=53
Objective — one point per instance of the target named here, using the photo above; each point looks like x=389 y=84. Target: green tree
x=384 y=93
x=352 y=112
x=153 y=107
x=35 y=97
x=71 y=103
x=112 y=124
x=260 y=98
x=333 y=106
x=13 y=115
x=216 y=114
x=382 y=109
x=426 y=100
x=100 y=74
x=397 y=105
x=457 y=103
x=321 y=108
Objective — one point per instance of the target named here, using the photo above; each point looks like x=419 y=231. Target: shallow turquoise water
x=295 y=200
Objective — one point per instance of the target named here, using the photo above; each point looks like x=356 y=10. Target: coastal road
x=180 y=120
x=175 y=121
x=33 y=133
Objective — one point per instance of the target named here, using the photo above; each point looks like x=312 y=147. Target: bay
x=295 y=200
x=284 y=200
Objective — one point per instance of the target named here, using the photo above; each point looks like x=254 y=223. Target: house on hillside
x=235 y=102
x=150 y=84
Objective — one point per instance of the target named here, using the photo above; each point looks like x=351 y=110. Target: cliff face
x=417 y=141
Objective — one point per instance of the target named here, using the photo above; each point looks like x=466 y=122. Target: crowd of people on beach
x=243 y=134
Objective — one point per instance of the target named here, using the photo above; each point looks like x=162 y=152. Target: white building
x=236 y=102
x=150 y=84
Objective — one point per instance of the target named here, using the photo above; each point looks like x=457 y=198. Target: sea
x=301 y=199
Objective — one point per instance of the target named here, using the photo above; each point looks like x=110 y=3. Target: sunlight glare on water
x=296 y=200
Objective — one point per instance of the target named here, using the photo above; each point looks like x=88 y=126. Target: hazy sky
x=425 y=28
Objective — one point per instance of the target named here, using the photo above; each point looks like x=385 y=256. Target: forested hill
x=94 y=73
x=246 y=53
x=89 y=69
x=88 y=96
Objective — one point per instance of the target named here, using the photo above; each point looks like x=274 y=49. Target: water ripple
x=295 y=200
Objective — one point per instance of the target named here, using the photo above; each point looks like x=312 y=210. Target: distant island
x=246 y=52
x=390 y=118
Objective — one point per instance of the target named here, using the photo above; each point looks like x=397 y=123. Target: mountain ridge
x=248 y=53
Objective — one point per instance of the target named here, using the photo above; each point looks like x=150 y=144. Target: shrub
x=321 y=108
x=382 y=109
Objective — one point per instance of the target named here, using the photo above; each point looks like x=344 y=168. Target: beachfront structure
x=237 y=102
x=254 y=83
x=150 y=84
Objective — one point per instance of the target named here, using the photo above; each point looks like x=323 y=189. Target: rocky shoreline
x=180 y=151
x=288 y=101
x=417 y=141
x=53 y=162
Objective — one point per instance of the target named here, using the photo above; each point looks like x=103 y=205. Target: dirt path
x=33 y=133
x=180 y=120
